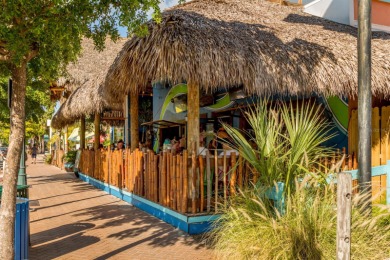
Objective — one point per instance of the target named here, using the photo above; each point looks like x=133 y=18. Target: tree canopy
x=49 y=33
x=37 y=40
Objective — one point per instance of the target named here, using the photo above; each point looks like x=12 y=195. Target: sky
x=163 y=5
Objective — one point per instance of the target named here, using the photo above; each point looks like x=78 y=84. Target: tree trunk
x=8 y=200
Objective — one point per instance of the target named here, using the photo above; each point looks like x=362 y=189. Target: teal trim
x=377 y=171
x=203 y=218
x=163 y=209
x=189 y=224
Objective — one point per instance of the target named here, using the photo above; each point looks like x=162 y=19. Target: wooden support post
x=344 y=208
x=208 y=183
x=134 y=134
x=82 y=132
x=193 y=116
x=97 y=131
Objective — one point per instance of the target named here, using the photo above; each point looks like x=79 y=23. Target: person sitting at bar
x=202 y=150
x=120 y=145
x=182 y=143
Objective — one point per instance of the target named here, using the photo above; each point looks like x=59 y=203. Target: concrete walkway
x=73 y=220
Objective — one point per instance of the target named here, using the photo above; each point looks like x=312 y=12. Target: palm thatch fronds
x=85 y=80
x=92 y=64
x=85 y=100
x=265 y=47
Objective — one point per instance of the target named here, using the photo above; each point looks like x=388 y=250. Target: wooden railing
x=184 y=183
x=187 y=184
x=380 y=151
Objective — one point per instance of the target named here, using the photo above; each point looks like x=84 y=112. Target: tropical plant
x=252 y=229
x=70 y=156
x=286 y=141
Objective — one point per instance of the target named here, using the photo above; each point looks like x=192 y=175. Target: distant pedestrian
x=34 y=151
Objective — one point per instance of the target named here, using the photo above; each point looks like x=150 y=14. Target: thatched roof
x=92 y=64
x=266 y=47
x=85 y=100
x=87 y=76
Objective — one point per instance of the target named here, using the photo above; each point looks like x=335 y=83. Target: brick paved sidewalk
x=73 y=220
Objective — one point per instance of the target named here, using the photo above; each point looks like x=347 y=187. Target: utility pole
x=364 y=95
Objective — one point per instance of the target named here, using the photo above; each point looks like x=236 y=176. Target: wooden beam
x=82 y=132
x=134 y=133
x=97 y=131
x=193 y=116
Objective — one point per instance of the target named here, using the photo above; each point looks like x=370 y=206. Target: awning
x=74 y=136
x=162 y=124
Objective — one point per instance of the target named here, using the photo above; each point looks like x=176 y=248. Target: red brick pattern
x=73 y=220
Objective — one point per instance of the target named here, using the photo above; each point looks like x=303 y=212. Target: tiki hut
x=265 y=47
x=84 y=79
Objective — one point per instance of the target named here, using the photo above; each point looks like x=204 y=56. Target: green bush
x=70 y=156
x=252 y=229
x=48 y=159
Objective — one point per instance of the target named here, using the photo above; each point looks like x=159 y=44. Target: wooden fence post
x=208 y=170
x=344 y=208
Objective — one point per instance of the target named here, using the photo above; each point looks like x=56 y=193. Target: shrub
x=252 y=229
x=70 y=156
x=48 y=159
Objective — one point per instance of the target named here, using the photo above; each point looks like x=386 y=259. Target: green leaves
x=285 y=142
x=55 y=28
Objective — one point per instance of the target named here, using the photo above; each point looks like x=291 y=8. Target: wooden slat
x=240 y=172
x=193 y=181
x=385 y=133
x=208 y=183
x=164 y=179
x=233 y=174
x=185 y=181
x=384 y=188
x=201 y=182
x=224 y=178
x=216 y=179
x=173 y=183
x=376 y=188
x=179 y=181
x=376 y=149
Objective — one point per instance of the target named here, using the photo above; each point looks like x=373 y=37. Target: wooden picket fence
x=187 y=184
x=380 y=152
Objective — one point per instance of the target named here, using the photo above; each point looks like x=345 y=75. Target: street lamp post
x=22 y=178
x=364 y=94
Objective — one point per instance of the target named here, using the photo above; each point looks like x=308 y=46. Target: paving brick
x=73 y=220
